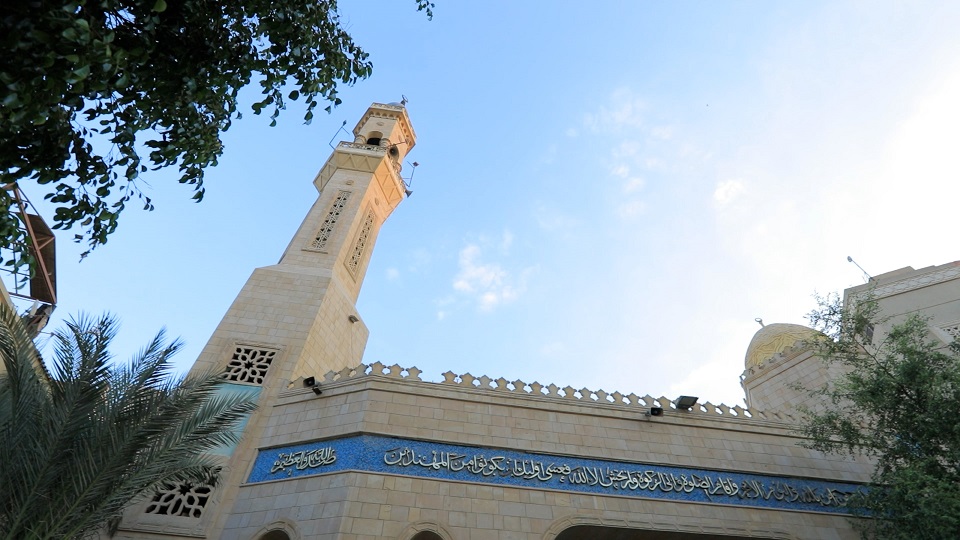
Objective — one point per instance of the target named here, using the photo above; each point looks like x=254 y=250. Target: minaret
x=295 y=319
x=298 y=317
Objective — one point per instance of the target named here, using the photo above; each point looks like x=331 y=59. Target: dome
x=776 y=338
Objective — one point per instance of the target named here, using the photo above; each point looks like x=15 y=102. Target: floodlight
x=686 y=402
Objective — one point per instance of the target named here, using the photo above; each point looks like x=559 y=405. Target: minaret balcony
x=371 y=150
x=374 y=149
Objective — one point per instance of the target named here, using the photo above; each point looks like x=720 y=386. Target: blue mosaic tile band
x=541 y=471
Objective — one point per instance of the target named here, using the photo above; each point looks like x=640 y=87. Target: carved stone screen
x=184 y=500
x=358 y=248
x=320 y=241
x=249 y=364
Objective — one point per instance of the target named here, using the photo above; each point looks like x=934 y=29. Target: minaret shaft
x=304 y=307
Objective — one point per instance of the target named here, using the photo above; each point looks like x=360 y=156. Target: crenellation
x=536 y=390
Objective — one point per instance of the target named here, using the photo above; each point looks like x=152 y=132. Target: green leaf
x=112 y=429
x=70 y=73
x=82 y=72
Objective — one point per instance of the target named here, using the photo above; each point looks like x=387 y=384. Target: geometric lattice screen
x=249 y=365
x=185 y=500
x=354 y=262
x=320 y=241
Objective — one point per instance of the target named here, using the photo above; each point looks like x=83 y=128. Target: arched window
x=426 y=535
x=374 y=138
x=275 y=535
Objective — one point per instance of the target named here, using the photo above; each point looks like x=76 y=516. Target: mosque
x=344 y=450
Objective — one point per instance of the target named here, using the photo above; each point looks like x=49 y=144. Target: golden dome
x=775 y=338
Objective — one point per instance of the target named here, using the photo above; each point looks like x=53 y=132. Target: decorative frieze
x=910 y=283
x=424 y=459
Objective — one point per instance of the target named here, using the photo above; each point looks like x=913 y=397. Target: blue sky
x=608 y=193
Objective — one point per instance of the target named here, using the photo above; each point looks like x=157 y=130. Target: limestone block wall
x=357 y=506
x=481 y=412
x=933 y=291
x=274 y=307
x=337 y=335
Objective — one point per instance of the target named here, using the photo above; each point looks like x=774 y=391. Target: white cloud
x=727 y=191
x=549 y=154
x=713 y=376
x=442 y=305
x=620 y=170
x=392 y=274
x=653 y=163
x=626 y=150
x=506 y=241
x=632 y=208
x=712 y=381
x=419 y=260
x=552 y=349
x=633 y=184
x=474 y=275
x=624 y=110
x=662 y=132
x=486 y=283
x=551 y=219
x=640 y=153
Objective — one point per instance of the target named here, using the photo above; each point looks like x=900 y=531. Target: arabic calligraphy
x=617 y=479
x=388 y=455
x=304 y=460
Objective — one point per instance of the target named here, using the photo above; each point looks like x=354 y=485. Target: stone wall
x=548 y=420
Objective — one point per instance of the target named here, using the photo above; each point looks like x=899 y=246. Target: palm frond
x=100 y=434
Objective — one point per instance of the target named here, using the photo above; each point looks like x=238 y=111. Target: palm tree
x=79 y=445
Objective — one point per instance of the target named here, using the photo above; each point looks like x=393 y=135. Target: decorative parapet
x=785 y=355
x=568 y=393
x=940 y=274
x=359 y=146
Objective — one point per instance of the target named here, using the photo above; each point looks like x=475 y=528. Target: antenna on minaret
x=407 y=182
x=337 y=133
x=869 y=277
